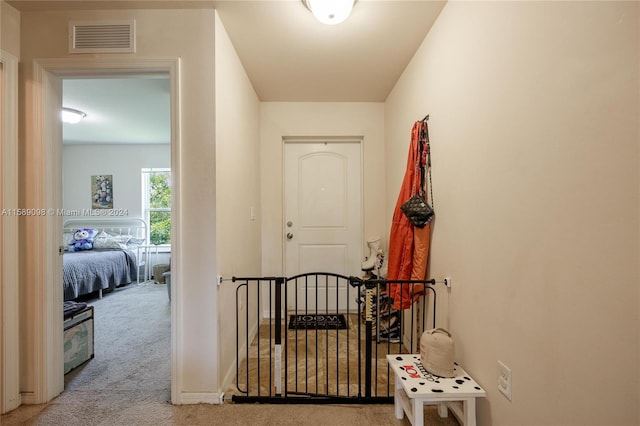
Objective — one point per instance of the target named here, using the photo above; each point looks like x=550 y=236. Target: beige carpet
x=323 y=362
x=128 y=383
x=157 y=413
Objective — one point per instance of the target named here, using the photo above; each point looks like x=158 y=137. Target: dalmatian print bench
x=416 y=387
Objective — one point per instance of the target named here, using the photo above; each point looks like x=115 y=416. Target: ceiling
x=287 y=54
x=131 y=110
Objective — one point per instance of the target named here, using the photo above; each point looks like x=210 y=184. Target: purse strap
x=416 y=189
x=428 y=162
x=424 y=161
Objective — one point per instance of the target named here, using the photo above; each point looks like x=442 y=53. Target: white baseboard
x=11 y=403
x=190 y=398
x=228 y=378
x=28 y=398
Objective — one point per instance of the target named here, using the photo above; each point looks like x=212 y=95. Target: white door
x=323 y=217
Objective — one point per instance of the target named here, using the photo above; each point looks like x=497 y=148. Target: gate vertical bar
x=368 y=341
x=258 y=341
x=354 y=282
x=278 y=337
x=246 y=333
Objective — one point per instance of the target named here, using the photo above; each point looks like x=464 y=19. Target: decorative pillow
x=83 y=239
x=134 y=243
x=122 y=239
x=106 y=241
x=66 y=239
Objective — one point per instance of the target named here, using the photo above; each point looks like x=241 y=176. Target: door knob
x=289 y=235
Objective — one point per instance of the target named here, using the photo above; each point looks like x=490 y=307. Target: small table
x=416 y=387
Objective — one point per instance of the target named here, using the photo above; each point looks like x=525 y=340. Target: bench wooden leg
x=397 y=400
x=418 y=412
x=469 y=412
x=443 y=411
x=398 y=406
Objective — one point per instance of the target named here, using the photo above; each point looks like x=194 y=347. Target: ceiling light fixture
x=72 y=116
x=330 y=12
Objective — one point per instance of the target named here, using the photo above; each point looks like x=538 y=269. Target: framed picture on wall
x=102 y=192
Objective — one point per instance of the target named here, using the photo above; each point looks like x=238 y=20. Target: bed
x=114 y=260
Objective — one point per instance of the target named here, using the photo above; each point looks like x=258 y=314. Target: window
x=156 y=204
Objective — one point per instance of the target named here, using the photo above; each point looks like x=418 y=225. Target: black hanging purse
x=418 y=211
x=416 y=208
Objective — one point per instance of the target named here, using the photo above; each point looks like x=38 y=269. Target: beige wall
x=123 y=162
x=305 y=119
x=534 y=131
x=188 y=35
x=237 y=189
x=9 y=29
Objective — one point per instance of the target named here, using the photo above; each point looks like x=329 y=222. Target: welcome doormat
x=314 y=322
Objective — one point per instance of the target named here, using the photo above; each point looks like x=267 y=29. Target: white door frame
x=46 y=149
x=9 y=278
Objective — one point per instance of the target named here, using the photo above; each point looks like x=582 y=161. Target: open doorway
x=121 y=278
x=46 y=267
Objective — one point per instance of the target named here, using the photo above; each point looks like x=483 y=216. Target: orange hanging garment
x=407 y=260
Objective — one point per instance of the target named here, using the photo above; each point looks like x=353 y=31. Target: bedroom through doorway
x=116 y=183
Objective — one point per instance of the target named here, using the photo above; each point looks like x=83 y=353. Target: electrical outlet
x=447 y=281
x=219 y=279
x=504 y=380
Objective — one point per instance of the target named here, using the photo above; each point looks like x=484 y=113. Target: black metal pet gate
x=323 y=338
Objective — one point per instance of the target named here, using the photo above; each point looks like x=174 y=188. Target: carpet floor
x=128 y=381
x=321 y=362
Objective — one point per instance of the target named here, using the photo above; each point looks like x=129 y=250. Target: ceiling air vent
x=102 y=37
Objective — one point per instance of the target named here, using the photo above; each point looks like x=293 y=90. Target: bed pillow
x=66 y=239
x=83 y=239
x=106 y=241
x=134 y=243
